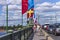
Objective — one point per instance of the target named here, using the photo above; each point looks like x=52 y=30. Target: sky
x=46 y=9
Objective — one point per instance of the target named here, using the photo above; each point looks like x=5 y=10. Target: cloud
x=14 y=1
x=36 y=1
x=4 y=2
x=3 y=14
x=49 y=15
x=46 y=4
x=14 y=12
x=48 y=10
x=48 y=7
x=12 y=7
x=58 y=3
x=14 y=15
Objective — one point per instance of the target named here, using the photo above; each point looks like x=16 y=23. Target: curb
x=47 y=36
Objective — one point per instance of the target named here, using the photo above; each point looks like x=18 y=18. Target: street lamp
x=55 y=17
x=6 y=18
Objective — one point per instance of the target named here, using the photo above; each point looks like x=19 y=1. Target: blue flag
x=30 y=4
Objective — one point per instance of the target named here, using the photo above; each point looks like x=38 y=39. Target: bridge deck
x=37 y=36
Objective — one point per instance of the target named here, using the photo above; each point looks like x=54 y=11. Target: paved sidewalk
x=39 y=36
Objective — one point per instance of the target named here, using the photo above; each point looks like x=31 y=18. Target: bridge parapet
x=23 y=34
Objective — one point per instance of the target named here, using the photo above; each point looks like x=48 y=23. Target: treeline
x=14 y=27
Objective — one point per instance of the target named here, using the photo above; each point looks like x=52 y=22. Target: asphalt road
x=55 y=37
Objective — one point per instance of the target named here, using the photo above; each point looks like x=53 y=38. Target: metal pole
x=22 y=19
x=51 y=19
x=38 y=19
x=56 y=17
x=22 y=13
x=6 y=18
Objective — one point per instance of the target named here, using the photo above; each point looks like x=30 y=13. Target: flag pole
x=22 y=19
x=24 y=8
x=22 y=13
x=6 y=18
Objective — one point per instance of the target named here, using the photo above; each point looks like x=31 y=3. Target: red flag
x=24 y=6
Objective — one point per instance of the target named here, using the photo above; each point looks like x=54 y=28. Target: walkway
x=39 y=36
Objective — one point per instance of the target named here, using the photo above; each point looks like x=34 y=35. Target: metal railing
x=18 y=35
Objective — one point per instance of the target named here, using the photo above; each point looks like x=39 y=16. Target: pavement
x=39 y=36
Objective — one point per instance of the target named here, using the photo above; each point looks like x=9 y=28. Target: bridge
x=23 y=34
x=21 y=19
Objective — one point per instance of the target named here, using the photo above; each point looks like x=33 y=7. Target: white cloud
x=46 y=4
x=17 y=13
x=49 y=15
x=14 y=12
x=58 y=3
x=58 y=19
x=56 y=7
x=3 y=14
x=2 y=2
x=12 y=15
x=58 y=13
x=14 y=1
x=16 y=17
x=12 y=7
x=36 y=1
x=48 y=7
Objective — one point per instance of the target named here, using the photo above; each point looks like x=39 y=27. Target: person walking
x=38 y=28
x=34 y=28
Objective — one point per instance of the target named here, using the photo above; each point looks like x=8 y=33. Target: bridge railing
x=18 y=35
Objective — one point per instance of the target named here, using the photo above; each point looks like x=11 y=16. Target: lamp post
x=6 y=18
x=38 y=18
x=55 y=17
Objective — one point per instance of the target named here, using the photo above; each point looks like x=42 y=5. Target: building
x=1 y=28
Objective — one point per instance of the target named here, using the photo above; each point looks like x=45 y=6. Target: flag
x=35 y=21
x=34 y=18
x=30 y=4
x=30 y=13
x=24 y=6
x=30 y=8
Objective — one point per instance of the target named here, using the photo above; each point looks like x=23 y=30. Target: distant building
x=1 y=29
